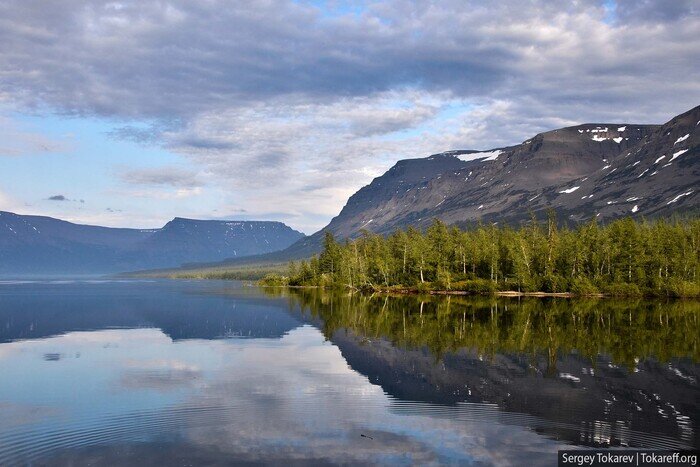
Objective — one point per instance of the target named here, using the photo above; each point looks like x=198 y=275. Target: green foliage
x=475 y=286
x=622 y=290
x=274 y=280
x=582 y=286
x=623 y=258
x=679 y=288
x=554 y=283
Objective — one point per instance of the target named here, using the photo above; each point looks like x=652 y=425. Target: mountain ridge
x=45 y=245
x=592 y=170
x=553 y=170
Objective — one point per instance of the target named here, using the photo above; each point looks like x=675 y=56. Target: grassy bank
x=249 y=273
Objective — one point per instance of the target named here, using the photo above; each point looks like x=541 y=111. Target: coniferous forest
x=622 y=258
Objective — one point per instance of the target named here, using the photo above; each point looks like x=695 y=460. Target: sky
x=131 y=113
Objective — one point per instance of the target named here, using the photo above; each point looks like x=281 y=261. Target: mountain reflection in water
x=603 y=372
x=139 y=372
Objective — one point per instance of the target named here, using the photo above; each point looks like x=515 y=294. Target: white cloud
x=286 y=107
x=314 y=413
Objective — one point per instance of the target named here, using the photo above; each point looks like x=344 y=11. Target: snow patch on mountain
x=681 y=139
x=680 y=196
x=570 y=190
x=679 y=153
x=485 y=156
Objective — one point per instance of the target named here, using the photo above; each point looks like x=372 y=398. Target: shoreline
x=503 y=293
x=414 y=291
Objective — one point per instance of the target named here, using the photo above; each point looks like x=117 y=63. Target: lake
x=139 y=372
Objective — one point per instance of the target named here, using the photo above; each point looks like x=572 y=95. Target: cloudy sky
x=130 y=113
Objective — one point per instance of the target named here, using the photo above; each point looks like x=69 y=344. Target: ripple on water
x=26 y=445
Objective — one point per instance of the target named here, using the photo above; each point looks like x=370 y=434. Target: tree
x=329 y=260
x=417 y=253
x=623 y=257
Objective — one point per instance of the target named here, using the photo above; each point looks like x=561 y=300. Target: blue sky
x=281 y=110
x=86 y=168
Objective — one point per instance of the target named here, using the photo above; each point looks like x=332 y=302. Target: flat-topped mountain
x=44 y=245
x=191 y=238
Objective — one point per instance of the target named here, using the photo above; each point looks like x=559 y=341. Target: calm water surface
x=187 y=373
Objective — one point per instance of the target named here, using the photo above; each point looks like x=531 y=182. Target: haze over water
x=179 y=372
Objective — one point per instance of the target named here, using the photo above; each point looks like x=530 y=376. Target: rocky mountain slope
x=591 y=170
x=601 y=170
x=43 y=245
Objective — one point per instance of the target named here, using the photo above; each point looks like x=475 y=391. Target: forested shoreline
x=622 y=258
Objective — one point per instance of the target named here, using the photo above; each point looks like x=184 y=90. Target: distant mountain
x=43 y=245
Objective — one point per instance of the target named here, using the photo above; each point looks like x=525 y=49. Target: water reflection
x=212 y=372
x=182 y=309
x=624 y=330
x=596 y=373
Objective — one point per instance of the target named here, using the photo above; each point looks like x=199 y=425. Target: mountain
x=44 y=245
x=593 y=170
x=602 y=170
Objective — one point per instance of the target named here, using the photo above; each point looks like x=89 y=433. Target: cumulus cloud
x=279 y=97
x=652 y=11
x=148 y=135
